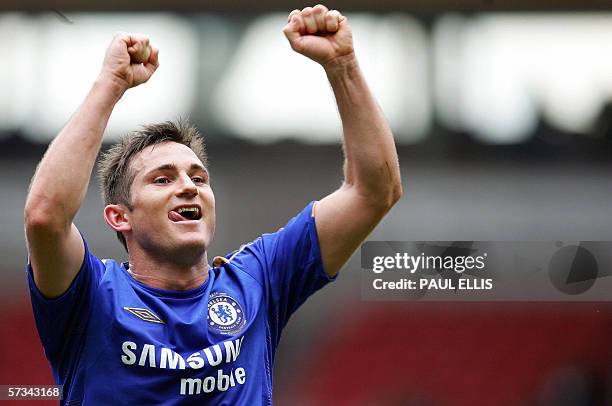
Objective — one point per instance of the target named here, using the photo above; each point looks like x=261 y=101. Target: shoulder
x=113 y=273
x=110 y=265
x=246 y=261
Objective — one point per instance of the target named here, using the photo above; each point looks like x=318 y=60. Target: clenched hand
x=320 y=34
x=130 y=60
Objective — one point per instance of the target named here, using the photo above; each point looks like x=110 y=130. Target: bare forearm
x=60 y=183
x=371 y=158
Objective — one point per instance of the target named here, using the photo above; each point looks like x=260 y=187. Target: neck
x=168 y=275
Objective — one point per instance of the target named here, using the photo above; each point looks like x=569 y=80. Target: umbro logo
x=144 y=314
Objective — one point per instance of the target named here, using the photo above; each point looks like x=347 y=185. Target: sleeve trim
x=314 y=236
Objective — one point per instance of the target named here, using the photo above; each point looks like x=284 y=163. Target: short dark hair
x=114 y=172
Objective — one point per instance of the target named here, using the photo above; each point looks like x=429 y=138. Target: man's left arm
x=371 y=171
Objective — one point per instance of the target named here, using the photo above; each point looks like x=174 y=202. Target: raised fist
x=320 y=34
x=130 y=60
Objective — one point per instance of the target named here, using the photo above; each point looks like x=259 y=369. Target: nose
x=186 y=186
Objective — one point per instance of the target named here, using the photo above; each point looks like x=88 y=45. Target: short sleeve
x=292 y=266
x=62 y=321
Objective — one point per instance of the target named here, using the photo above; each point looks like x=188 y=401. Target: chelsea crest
x=225 y=314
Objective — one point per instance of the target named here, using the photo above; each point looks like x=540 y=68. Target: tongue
x=174 y=216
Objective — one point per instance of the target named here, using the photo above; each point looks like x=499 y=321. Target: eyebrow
x=173 y=167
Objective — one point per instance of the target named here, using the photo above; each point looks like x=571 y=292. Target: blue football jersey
x=112 y=340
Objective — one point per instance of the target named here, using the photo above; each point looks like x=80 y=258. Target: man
x=166 y=328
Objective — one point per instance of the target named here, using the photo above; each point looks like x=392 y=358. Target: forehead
x=162 y=154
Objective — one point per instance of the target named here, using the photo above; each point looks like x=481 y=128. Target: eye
x=198 y=179
x=161 y=180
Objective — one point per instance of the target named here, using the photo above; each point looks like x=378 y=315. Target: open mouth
x=185 y=213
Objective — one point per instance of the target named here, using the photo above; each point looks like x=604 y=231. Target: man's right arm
x=55 y=247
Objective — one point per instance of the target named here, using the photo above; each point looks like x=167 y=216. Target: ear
x=117 y=216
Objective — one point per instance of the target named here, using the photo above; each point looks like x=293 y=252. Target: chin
x=192 y=244
x=187 y=252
